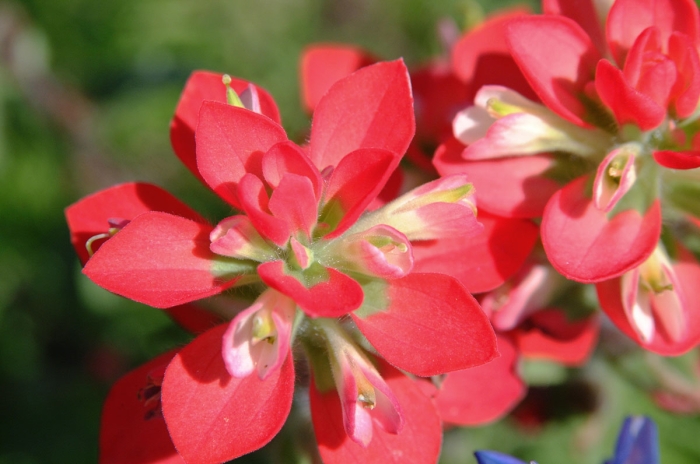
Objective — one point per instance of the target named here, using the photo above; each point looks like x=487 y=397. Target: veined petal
x=322 y=65
x=90 y=216
x=162 y=260
x=615 y=176
x=236 y=237
x=206 y=86
x=419 y=440
x=295 y=202
x=230 y=143
x=584 y=245
x=557 y=58
x=393 y=318
x=255 y=203
x=371 y=108
x=197 y=389
x=334 y=295
x=287 y=157
x=258 y=337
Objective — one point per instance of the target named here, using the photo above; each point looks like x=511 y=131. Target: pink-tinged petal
x=335 y=296
x=237 y=237
x=202 y=86
x=258 y=338
x=418 y=441
x=527 y=292
x=484 y=261
x=161 y=260
x=371 y=108
x=511 y=187
x=294 y=202
x=548 y=334
x=688 y=274
x=391 y=189
x=629 y=105
x=287 y=157
x=253 y=197
x=687 y=90
x=90 y=216
x=193 y=318
x=380 y=251
x=427 y=324
x=132 y=427
x=354 y=183
x=322 y=65
x=557 y=58
x=484 y=393
x=628 y=18
x=230 y=143
x=213 y=417
x=584 y=245
x=481 y=57
x=586 y=14
x=678 y=159
x=616 y=174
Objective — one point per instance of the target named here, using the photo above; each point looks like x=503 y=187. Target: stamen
x=231 y=96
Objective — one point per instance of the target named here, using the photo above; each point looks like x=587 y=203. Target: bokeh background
x=87 y=89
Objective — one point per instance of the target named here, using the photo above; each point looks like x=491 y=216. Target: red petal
x=202 y=86
x=355 y=182
x=335 y=297
x=558 y=59
x=481 y=57
x=88 y=217
x=484 y=261
x=628 y=18
x=213 y=417
x=371 y=108
x=687 y=90
x=628 y=104
x=193 y=318
x=688 y=274
x=584 y=245
x=287 y=157
x=548 y=334
x=418 y=441
x=230 y=143
x=133 y=431
x=324 y=65
x=584 y=13
x=512 y=187
x=484 y=393
x=678 y=159
x=160 y=260
x=253 y=197
x=294 y=201
x=428 y=325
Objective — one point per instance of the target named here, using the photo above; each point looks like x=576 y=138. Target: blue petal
x=638 y=442
x=494 y=457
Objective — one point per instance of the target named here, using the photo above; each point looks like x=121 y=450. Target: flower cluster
x=349 y=275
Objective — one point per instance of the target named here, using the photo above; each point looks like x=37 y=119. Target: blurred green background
x=87 y=90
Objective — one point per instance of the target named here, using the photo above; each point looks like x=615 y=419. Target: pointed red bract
x=89 y=216
x=206 y=86
x=549 y=335
x=132 y=428
x=213 y=417
x=160 y=260
x=230 y=143
x=335 y=297
x=558 y=59
x=584 y=245
x=486 y=260
x=322 y=65
x=628 y=18
x=511 y=187
x=484 y=393
x=287 y=157
x=371 y=108
x=585 y=13
x=355 y=182
x=429 y=325
x=678 y=159
x=418 y=441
